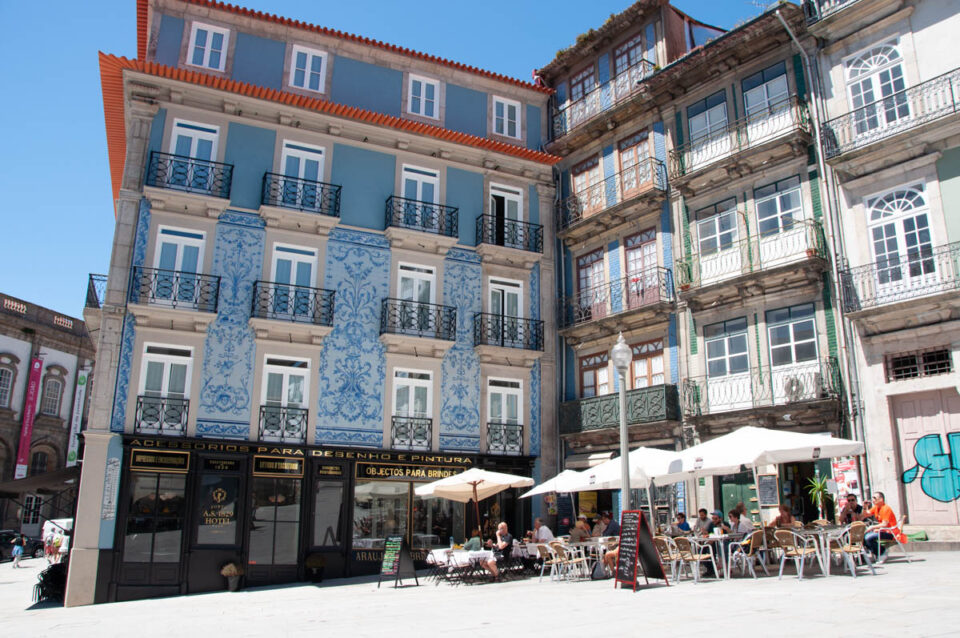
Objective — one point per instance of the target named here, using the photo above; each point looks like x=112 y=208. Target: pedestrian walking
x=18 y=541
x=48 y=546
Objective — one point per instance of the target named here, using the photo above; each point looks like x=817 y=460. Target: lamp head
x=621 y=355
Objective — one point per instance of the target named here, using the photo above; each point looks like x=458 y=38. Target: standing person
x=887 y=522
x=48 y=545
x=17 y=553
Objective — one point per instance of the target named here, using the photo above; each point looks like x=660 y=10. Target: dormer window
x=308 y=69
x=423 y=97
x=208 y=46
x=506 y=117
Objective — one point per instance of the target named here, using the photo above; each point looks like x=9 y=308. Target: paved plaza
x=903 y=600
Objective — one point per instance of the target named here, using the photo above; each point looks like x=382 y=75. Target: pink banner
x=29 y=411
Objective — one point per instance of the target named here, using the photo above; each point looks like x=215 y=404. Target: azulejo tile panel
x=535 y=292
x=123 y=374
x=460 y=373
x=535 y=409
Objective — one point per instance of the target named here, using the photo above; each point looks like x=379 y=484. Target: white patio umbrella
x=473 y=485
x=562 y=482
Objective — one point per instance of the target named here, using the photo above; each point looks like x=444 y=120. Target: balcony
x=858 y=131
x=507 y=340
x=159 y=297
x=411 y=432
x=793 y=257
x=295 y=203
x=505 y=438
x=835 y=19
x=163 y=416
x=613 y=201
x=652 y=413
x=418 y=328
x=779 y=132
x=292 y=314
x=926 y=279
x=508 y=242
x=576 y=121
x=637 y=300
x=807 y=391
x=96 y=293
x=423 y=226
x=281 y=424
x=189 y=175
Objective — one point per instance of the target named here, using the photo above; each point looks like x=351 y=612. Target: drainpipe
x=835 y=233
x=561 y=353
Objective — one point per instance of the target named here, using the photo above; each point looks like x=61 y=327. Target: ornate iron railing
x=902 y=111
x=411 y=432
x=399 y=316
x=174 y=288
x=814 y=380
x=644 y=177
x=901 y=277
x=601 y=98
x=286 y=302
x=423 y=216
x=817 y=10
x=182 y=173
x=775 y=121
x=644 y=405
x=504 y=438
x=633 y=292
x=510 y=233
x=96 y=290
x=507 y=332
x=280 y=424
x=300 y=194
x=161 y=415
x=793 y=242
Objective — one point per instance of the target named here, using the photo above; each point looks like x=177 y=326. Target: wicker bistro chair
x=850 y=548
x=746 y=554
x=549 y=558
x=889 y=543
x=796 y=547
x=691 y=556
x=669 y=555
x=570 y=564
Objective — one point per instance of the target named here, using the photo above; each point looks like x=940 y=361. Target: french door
x=507 y=310
x=178 y=258
x=198 y=143
x=294 y=278
x=642 y=277
x=303 y=164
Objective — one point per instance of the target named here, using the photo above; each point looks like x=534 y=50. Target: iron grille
x=174 y=288
x=507 y=332
x=300 y=194
x=411 y=432
x=285 y=302
x=646 y=176
x=161 y=415
x=636 y=291
x=182 y=173
x=509 y=233
x=423 y=216
x=415 y=318
x=281 y=424
x=96 y=290
x=505 y=438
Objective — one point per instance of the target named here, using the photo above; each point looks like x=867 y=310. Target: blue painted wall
x=168 y=40
x=570 y=383
x=603 y=78
x=258 y=61
x=367 y=86
x=609 y=170
x=367 y=178
x=534 y=206
x=465 y=191
x=673 y=350
x=155 y=143
x=466 y=110
x=613 y=274
x=534 y=132
x=250 y=150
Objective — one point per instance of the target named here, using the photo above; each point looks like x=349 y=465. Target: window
x=154 y=526
x=506 y=310
x=590 y=274
x=416 y=289
x=506 y=209
x=582 y=83
x=303 y=165
x=208 y=46
x=635 y=169
x=727 y=347
x=778 y=206
x=194 y=140
x=6 y=386
x=422 y=97
x=911 y=365
x=717 y=227
x=506 y=117
x=31 y=509
x=793 y=335
x=294 y=277
x=900 y=237
x=328 y=511
x=52 y=391
x=628 y=54
x=286 y=384
x=587 y=180
x=275 y=532
x=421 y=184
x=165 y=387
x=594 y=376
x=647 y=365
x=765 y=91
x=308 y=69
x=505 y=398
x=178 y=259
x=707 y=118
x=39 y=463
x=875 y=84
x=412 y=393
x=643 y=286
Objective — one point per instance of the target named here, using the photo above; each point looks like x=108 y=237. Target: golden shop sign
x=282 y=467
x=405 y=471
x=154 y=461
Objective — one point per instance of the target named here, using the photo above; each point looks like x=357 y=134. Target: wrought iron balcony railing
x=281 y=424
x=776 y=121
x=899 y=112
x=300 y=194
x=510 y=233
x=96 y=289
x=507 y=332
x=633 y=292
x=601 y=98
x=418 y=319
x=504 y=438
x=814 y=380
x=161 y=415
x=189 y=174
x=792 y=242
x=644 y=405
x=411 y=432
x=646 y=176
x=286 y=302
x=174 y=288
x=817 y=10
x=426 y=217
x=901 y=277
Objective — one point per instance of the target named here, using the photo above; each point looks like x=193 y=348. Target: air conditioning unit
x=793 y=389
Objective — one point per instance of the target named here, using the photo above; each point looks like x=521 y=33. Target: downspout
x=562 y=342
x=835 y=233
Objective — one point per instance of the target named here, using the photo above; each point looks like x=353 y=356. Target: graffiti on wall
x=938 y=470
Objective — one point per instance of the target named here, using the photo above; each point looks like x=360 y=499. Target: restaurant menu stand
x=397 y=561
x=636 y=546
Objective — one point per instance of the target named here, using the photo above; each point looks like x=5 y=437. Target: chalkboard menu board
x=397 y=561
x=768 y=490
x=636 y=546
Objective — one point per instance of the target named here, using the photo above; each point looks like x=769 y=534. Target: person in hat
x=716 y=523
x=580 y=531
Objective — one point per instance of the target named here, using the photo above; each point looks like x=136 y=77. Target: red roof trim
x=269 y=17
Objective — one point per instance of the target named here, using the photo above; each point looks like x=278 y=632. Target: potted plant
x=232 y=572
x=315 y=564
x=817 y=489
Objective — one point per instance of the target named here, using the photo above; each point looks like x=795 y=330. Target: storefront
x=284 y=514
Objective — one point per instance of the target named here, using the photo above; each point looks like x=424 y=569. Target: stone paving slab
x=903 y=600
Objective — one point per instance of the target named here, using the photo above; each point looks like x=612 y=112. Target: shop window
x=327 y=513
x=436 y=521
x=912 y=365
x=276 y=522
x=219 y=509
x=154 y=525
x=379 y=510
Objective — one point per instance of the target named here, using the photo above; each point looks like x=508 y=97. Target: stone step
x=935 y=532
x=930 y=546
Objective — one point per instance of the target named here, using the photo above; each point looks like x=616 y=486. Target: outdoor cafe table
x=721 y=543
x=823 y=534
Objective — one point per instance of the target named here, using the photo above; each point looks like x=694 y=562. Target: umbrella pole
x=650 y=492
x=476 y=507
x=756 y=488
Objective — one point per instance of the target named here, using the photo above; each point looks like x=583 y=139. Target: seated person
x=740 y=524
x=680 y=527
x=851 y=512
x=701 y=524
x=599 y=526
x=613 y=525
x=610 y=559
x=580 y=531
x=887 y=521
x=716 y=523
x=784 y=519
x=541 y=533
x=474 y=544
x=501 y=550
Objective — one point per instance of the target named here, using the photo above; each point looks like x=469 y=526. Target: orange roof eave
x=111 y=78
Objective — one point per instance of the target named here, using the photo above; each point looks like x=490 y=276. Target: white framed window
x=647 y=365
x=31 y=509
x=707 y=118
x=765 y=91
x=779 y=206
x=308 y=68
x=208 y=46
x=286 y=382
x=166 y=371
x=506 y=117
x=875 y=86
x=194 y=140
x=423 y=97
x=717 y=227
x=294 y=274
x=900 y=238
x=727 y=347
x=52 y=392
x=6 y=386
x=179 y=249
x=421 y=184
x=793 y=335
x=506 y=202
x=594 y=375
x=416 y=283
x=412 y=393
x=504 y=398
x=506 y=297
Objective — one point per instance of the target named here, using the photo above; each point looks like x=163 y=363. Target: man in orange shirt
x=886 y=521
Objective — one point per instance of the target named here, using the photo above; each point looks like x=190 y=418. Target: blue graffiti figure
x=940 y=479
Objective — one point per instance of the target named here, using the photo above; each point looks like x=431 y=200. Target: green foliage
x=817 y=489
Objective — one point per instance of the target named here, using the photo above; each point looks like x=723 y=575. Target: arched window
x=39 y=463
x=876 y=86
x=6 y=386
x=900 y=237
x=52 y=391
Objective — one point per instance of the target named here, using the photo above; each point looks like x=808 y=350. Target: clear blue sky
x=56 y=211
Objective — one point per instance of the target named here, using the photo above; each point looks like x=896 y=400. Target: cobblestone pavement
x=903 y=600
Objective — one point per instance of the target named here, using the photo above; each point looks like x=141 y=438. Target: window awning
x=45 y=483
x=583 y=461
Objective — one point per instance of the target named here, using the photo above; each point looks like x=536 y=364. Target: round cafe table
x=721 y=543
